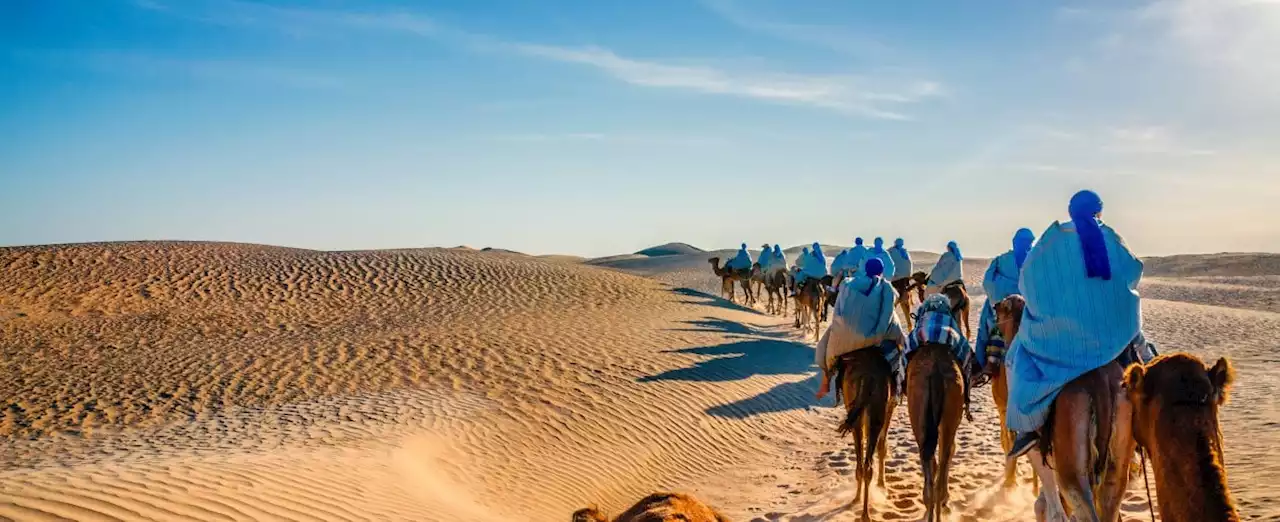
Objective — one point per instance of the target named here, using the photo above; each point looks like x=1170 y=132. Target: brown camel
x=935 y=402
x=658 y=507
x=727 y=278
x=863 y=378
x=809 y=299
x=904 y=287
x=1088 y=437
x=959 y=305
x=1175 y=420
x=775 y=284
x=1008 y=319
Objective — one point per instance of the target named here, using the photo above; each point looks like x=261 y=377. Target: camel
x=904 y=286
x=775 y=283
x=1089 y=425
x=1008 y=319
x=863 y=378
x=809 y=298
x=658 y=507
x=935 y=401
x=1175 y=420
x=727 y=277
x=959 y=305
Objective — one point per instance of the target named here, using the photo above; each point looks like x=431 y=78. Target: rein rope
x=1150 y=508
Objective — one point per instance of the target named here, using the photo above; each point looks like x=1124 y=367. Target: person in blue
x=1080 y=282
x=839 y=265
x=778 y=257
x=902 y=267
x=817 y=254
x=853 y=262
x=935 y=324
x=864 y=319
x=765 y=259
x=878 y=252
x=741 y=261
x=949 y=269
x=1000 y=282
x=812 y=265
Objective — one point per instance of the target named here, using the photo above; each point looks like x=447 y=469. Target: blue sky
x=607 y=126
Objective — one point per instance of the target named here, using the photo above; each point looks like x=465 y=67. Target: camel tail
x=860 y=403
x=933 y=408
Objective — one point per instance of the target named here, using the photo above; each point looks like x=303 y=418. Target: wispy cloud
x=874 y=97
x=839 y=39
x=846 y=94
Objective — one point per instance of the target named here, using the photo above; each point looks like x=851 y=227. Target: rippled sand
x=212 y=381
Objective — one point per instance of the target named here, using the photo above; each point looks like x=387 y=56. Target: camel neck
x=1197 y=489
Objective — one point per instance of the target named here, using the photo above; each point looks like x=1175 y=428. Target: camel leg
x=1049 y=505
x=1115 y=479
x=1072 y=439
x=946 y=451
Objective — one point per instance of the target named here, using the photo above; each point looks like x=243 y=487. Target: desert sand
x=218 y=381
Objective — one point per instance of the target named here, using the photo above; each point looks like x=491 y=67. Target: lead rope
x=1143 y=453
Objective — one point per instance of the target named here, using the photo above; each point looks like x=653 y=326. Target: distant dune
x=219 y=381
x=670 y=249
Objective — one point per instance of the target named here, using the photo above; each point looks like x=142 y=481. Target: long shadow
x=715 y=325
x=783 y=397
x=740 y=360
x=711 y=300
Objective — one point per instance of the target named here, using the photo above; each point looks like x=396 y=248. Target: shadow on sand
x=715 y=325
x=743 y=359
x=711 y=300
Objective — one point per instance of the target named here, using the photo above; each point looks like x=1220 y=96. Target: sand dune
x=209 y=381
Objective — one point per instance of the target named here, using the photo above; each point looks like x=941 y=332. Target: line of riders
x=1076 y=383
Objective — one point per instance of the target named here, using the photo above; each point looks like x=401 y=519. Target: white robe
x=948 y=270
x=861 y=319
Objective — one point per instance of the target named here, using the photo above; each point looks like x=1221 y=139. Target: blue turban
x=879 y=245
x=817 y=250
x=805 y=250
x=777 y=250
x=874 y=267
x=898 y=243
x=1022 y=240
x=955 y=249
x=1084 y=209
x=858 y=241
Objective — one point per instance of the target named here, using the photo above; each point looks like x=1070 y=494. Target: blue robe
x=854 y=260
x=742 y=261
x=946 y=271
x=902 y=264
x=883 y=256
x=1000 y=282
x=1072 y=323
x=864 y=317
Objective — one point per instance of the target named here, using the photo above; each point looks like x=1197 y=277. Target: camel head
x=1175 y=419
x=715 y=266
x=658 y=507
x=589 y=514
x=1176 y=393
x=1009 y=316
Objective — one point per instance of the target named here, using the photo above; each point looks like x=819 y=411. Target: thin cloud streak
x=878 y=98
x=843 y=94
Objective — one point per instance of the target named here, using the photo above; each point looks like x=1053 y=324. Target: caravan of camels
x=1078 y=388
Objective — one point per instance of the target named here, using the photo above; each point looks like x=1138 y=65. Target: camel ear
x=1133 y=380
x=1221 y=376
